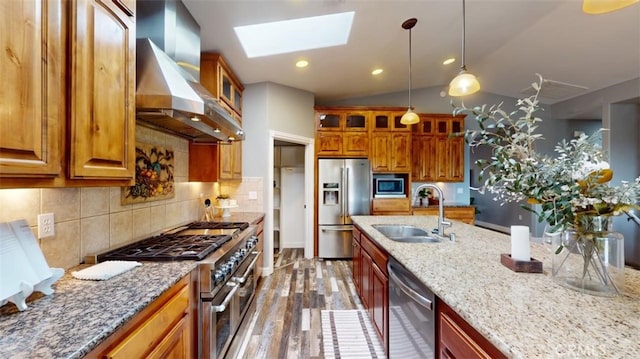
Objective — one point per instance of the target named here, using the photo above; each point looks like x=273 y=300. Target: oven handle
x=223 y=306
x=244 y=277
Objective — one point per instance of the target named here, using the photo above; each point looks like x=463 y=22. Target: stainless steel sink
x=406 y=233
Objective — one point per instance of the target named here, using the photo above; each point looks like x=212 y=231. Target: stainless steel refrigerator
x=344 y=190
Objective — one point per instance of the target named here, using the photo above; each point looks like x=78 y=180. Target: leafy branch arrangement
x=573 y=183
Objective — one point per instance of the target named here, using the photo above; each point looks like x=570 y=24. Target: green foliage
x=572 y=183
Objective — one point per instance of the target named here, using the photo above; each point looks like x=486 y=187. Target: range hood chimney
x=168 y=95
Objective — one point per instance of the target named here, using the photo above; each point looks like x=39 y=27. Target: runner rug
x=349 y=334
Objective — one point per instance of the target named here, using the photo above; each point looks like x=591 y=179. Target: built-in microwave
x=391 y=187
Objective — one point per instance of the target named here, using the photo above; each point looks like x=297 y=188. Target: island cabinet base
x=161 y=330
x=371 y=280
x=457 y=339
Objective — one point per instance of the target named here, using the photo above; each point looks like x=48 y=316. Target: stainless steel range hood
x=169 y=97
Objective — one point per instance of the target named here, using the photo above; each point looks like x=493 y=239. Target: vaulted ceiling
x=507 y=43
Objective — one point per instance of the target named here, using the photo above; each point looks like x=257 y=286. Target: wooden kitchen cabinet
x=370 y=274
x=211 y=162
x=458 y=339
x=390 y=143
x=465 y=214
x=391 y=206
x=102 y=101
x=32 y=105
x=436 y=155
x=162 y=330
x=68 y=105
x=342 y=132
x=218 y=77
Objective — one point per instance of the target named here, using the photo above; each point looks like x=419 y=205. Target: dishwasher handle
x=417 y=297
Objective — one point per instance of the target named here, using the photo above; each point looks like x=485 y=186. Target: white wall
x=269 y=107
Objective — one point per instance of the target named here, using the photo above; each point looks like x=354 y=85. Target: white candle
x=520 y=243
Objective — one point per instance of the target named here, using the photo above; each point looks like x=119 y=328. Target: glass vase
x=589 y=258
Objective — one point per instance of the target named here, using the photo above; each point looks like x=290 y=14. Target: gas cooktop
x=192 y=242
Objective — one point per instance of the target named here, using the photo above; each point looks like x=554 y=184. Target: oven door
x=247 y=282
x=219 y=321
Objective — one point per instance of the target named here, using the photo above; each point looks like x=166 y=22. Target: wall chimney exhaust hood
x=169 y=97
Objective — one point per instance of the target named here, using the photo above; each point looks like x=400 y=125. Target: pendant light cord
x=410 y=84
x=464 y=32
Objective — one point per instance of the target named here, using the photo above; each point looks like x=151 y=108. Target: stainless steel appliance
x=412 y=328
x=389 y=187
x=168 y=95
x=226 y=274
x=344 y=190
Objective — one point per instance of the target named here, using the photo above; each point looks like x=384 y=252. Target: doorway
x=305 y=170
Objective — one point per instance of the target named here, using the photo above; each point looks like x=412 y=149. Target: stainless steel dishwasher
x=412 y=318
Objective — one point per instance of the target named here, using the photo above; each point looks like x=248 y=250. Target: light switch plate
x=46 y=226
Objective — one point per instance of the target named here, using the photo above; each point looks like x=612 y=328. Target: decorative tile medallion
x=154 y=175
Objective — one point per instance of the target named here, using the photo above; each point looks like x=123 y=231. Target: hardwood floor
x=286 y=323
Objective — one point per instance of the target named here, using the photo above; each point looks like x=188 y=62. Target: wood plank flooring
x=286 y=323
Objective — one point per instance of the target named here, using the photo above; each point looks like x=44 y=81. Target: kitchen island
x=524 y=315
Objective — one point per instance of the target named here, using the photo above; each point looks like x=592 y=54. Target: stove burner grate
x=218 y=225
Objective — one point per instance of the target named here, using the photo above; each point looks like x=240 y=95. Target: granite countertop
x=81 y=314
x=524 y=315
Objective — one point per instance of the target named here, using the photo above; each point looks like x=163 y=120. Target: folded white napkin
x=105 y=270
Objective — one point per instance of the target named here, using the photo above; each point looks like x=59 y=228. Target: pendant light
x=604 y=6
x=465 y=83
x=409 y=118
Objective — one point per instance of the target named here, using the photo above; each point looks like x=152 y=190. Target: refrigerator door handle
x=346 y=194
x=337 y=229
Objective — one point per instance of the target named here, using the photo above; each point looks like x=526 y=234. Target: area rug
x=349 y=334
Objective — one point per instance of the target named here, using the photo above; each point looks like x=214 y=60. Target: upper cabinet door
x=102 y=126
x=32 y=88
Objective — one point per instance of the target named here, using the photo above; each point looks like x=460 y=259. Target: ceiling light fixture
x=410 y=117
x=449 y=61
x=302 y=63
x=465 y=83
x=605 y=6
x=377 y=71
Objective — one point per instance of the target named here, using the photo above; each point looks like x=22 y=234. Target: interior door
x=292 y=208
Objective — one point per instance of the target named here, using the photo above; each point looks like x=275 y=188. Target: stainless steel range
x=226 y=274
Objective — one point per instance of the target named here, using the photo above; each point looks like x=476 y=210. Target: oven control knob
x=218 y=277
x=243 y=252
x=231 y=264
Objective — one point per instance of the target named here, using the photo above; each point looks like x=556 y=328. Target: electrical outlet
x=46 y=226
x=253 y=195
x=519 y=217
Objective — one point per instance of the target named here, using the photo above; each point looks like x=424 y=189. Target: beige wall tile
x=115 y=203
x=63 y=202
x=20 y=204
x=63 y=250
x=120 y=228
x=141 y=223
x=94 y=201
x=94 y=234
x=181 y=164
x=157 y=218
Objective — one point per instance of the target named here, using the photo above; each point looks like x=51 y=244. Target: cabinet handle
x=123 y=7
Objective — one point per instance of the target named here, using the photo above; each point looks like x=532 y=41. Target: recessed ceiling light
x=295 y=35
x=195 y=119
x=377 y=71
x=449 y=61
x=302 y=63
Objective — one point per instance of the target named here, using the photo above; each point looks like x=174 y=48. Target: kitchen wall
x=92 y=219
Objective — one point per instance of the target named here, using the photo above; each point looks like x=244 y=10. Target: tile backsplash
x=90 y=220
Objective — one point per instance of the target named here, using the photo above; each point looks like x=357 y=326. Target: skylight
x=307 y=33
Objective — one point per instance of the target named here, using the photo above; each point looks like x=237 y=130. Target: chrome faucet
x=442 y=224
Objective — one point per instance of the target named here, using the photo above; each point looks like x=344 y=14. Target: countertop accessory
x=105 y=270
x=24 y=267
x=531 y=266
x=520 y=248
x=226 y=210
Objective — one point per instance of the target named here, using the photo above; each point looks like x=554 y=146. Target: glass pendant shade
x=464 y=84
x=409 y=118
x=604 y=6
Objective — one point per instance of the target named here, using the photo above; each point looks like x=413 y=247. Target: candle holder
x=530 y=266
